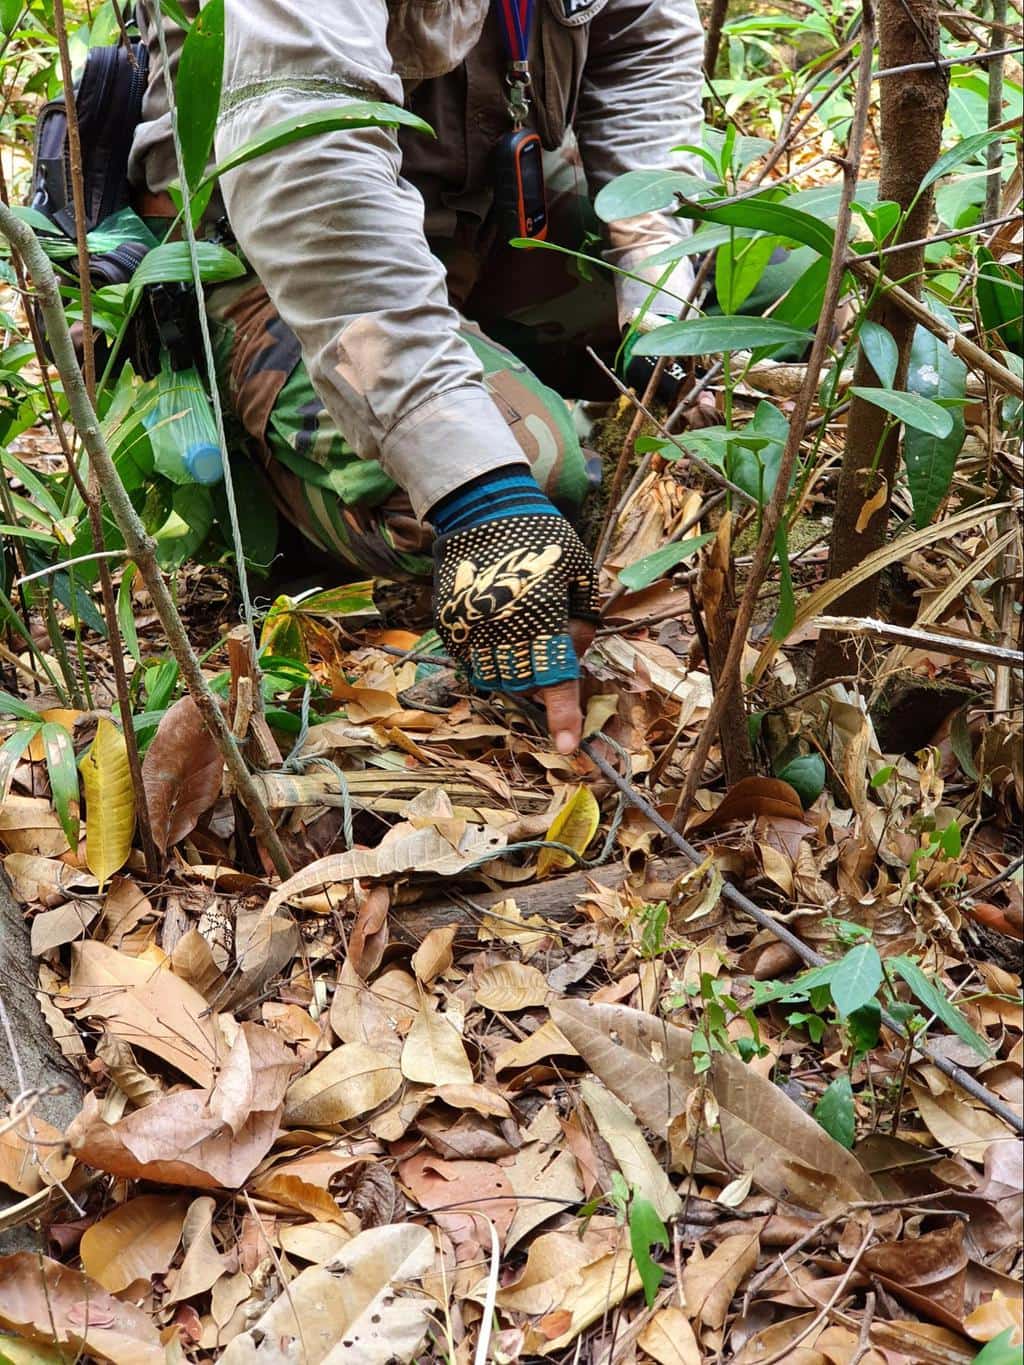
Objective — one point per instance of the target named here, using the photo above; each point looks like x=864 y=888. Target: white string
x=204 y=327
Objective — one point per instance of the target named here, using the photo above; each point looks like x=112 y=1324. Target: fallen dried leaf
x=434 y=1053
x=181 y=773
x=351 y=1080
x=134 y=1242
x=511 y=986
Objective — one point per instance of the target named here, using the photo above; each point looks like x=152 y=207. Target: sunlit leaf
x=63 y=774
x=109 y=802
x=654 y=566
x=713 y=335
x=575 y=825
x=910 y=408
x=198 y=87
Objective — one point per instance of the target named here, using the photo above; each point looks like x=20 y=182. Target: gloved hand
x=510 y=574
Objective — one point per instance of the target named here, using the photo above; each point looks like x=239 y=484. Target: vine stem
x=139 y=543
x=730 y=675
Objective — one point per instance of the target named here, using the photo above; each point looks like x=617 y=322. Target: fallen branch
x=957 y=645
x=138 y=542
x=556 y=900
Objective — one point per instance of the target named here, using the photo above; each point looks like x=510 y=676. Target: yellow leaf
x=991 y=1319
x=668 y=1338
x=433 y=1053
x=110 y=802
x=137 y=1240
x=351 y=1080
x=575 y=825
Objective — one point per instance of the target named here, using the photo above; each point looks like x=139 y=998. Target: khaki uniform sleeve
x=336 y=235
x=641 y=96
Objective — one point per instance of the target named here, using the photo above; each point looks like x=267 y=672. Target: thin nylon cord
x=204 y=326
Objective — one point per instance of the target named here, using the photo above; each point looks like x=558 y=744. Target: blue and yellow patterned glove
x=509 y=575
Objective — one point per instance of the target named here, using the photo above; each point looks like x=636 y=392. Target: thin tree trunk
x=713 y=37
x=913 y=106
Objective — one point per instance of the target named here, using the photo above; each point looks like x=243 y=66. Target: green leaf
x=187 y=527
x=350 y=599
x=357 y=114
x=643 y=572
x=63 y=774
x=798 y=989
x=10 y=13
x=767 y=216
x=956 y=156
x=10 y=754
x=126 y=613
x=836 y=1114
x=999 y=1351
x=857 y=979
x=198 y=88
x=806 y=775
x=170 y=262
x=174 y=11
x=14 y=706
x=862 y=1028
x=934 y=372
x=646 y=1230
x=713 y=335
x=936 y=1003
x=638 y=192
x=785 y=616
x=1000 y=300
x=739 y=266
x=879 y=345
x=755 y=467
x=910 y=408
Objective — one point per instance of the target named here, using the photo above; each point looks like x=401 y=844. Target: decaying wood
x=557 y=900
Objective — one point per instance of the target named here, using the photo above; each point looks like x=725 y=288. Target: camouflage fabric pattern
x=544 y=303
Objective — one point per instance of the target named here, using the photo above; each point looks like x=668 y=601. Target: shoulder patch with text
x=576 y=12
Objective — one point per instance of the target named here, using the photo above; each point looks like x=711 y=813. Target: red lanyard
x=516 y=20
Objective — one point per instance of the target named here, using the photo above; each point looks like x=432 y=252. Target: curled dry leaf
x=196 y=1138
x=317 y=1243
x=351 y=1080
x=134 y=1242
x=181 y=773
x=574 y=825
x=646 y=1062
x=998 y=1315
x=511 y=986
x=50 y=1304
x=354 y=1310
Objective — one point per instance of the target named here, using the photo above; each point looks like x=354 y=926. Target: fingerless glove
x=509 y=573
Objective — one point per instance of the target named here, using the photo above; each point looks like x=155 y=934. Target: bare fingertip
x=565 y=741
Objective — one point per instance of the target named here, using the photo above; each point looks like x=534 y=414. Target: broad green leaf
x=857 y=978
x=10 y=754
x=862 y=1028
x=1000 y=300
x=170 y=262
x=357 y=114
x=281 y=633
x=574 y=825
x=187 y=527
x=652 y=567
x=713 y=335
x=14 y=706
x=10 y=13
x=38 y=487
x=63 y=774
x=767 y=216
x=350 y=599
x=738 y=268
x=646 y=1230
x=956 y=156
x=755 y=466
x=910 y=408
x=999 y=1351
x=806 y=775
x=879 y=345
x=935 y=1002
x=638 y=192
x=704 y=239
x=836 y=1114
x=198 y=88
x=797 y=989
x=109 y=802
x=934 y=372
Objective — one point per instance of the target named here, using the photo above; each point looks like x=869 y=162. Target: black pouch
x=108 y=98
